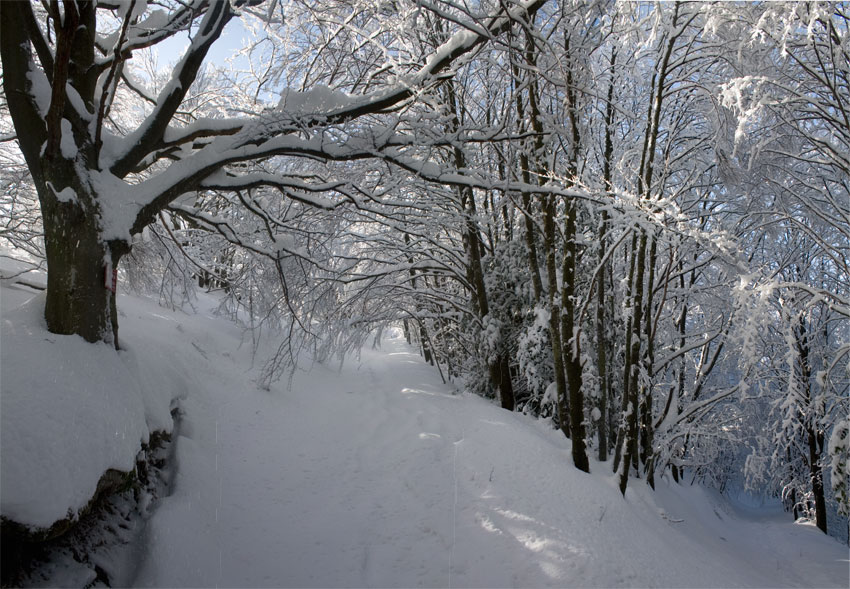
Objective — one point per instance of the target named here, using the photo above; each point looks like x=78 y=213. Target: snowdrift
x=71 y=411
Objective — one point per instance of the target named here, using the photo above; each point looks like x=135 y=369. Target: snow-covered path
x=344 y=480
x=378 y=475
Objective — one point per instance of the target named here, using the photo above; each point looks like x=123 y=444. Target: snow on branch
x=140 y=143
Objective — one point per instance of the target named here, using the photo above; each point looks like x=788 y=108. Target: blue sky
x=170 y=50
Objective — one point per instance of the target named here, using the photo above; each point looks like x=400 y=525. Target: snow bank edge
x=75 y=418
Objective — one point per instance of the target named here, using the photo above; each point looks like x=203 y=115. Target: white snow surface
x=372 y=475
x=70 y=410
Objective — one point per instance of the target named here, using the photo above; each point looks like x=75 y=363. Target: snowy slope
x=376 y=474
x=71 y=410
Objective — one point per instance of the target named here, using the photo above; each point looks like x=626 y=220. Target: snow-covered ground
x=375 y=474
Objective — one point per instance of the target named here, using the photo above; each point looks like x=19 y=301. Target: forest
x=631 y=219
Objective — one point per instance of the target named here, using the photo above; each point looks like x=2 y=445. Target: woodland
x=631 y=219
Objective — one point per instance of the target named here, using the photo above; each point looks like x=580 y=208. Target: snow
x=66 y=387
x=40 y=89
x=372 y=474
x=66 y=143
x=71 y=410
x=318 y=100
x=67 y=194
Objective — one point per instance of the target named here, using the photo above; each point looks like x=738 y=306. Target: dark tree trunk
x=80 y=298
x=555 y=312
x=498 y=369
x=814 y=435
x=571 y=345
x=630 y=445
x=601 y=331
x=816 y=441
x=570 y=329
x=622 y=426
x=426 y=347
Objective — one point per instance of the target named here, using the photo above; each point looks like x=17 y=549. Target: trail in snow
x=379 y=475
x=345 y=480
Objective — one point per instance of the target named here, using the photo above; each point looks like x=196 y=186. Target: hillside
x=369 y=474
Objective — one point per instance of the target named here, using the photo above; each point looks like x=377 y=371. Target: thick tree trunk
x=80 y=278
x=78 y=300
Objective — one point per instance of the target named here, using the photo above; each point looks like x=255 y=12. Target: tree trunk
x=78 y=301
x=571 y=344
x=570 y=329
x=81 y=266
x=814 y=434
x=80 y=278
x=622 y=426
x=601 y=331
x=816 y=441
x=555 y=312
x=630 y=443
x=647 y=432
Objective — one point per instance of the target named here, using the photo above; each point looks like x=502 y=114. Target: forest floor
x=375 y=474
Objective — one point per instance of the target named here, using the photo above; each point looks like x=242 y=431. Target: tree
x=63 y=67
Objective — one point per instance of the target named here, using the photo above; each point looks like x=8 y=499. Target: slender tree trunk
x=601 y=331
x=631 y=437
x=602 y=371
x=571 y=344
x=622 y=426
x=816 y=444
x=525 y=174
x=647 y=360
x=499 y=368
x=814 y=434
x=555 y=312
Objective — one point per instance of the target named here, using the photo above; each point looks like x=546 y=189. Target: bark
x=571 y=344
x=555 y=311
x=79 y=300
x=525 y=174
x=630 y=443
x=622 y=428
x=570 y=329
x=601 y=332
x=816 y=445
x=646 y=422
x=549 y=206
x=814 y=434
